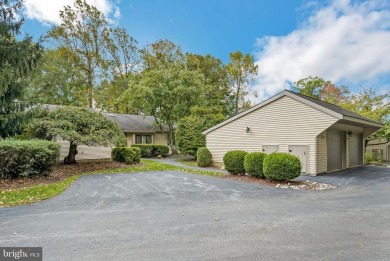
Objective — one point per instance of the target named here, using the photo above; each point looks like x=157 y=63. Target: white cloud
x=343 y=41
x=47 y=11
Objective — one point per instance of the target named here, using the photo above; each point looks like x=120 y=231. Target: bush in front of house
x=281 y=166
x=152 y=150
x=203 y=157
x=27 y=158
x=234 y=161
x=368 y=157
x=253 y=164
x=128 y=155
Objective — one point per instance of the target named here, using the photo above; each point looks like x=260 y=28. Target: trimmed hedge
x=27 y=158
x=126 y=154
x=234 y=161
x=152 y=150
x=203 y=157
x=253 y=164
x=281 y=166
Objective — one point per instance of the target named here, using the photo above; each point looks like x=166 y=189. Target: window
x=138 y=139
x=148 y=139
x=143 y=139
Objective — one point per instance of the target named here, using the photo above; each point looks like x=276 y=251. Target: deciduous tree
x=166 y=89
x=78 y=126
x=84 y=32
x=56 y=80
x=241 y=71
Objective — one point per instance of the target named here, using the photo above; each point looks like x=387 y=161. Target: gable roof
x=134 y=123
x=331 y=109
x=126 y=122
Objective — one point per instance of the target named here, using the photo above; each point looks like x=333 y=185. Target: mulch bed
x=261 y=181
x=60 y=172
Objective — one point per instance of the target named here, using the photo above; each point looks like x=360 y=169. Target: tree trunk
x=71 y=158
x=170 y=141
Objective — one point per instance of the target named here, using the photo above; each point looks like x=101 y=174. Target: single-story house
x=324 y=136
x=380 y=149
x=139 y=129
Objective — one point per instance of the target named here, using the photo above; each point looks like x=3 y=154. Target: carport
x=344 y=143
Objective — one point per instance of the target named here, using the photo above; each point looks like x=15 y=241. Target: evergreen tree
x=17 y=57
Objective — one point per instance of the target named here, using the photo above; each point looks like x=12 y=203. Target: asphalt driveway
x=178 y=216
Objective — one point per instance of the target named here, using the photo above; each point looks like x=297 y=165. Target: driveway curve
x=172 y=215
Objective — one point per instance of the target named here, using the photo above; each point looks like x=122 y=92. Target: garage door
x=356 y=149
x=301 y=152
x=335 y=149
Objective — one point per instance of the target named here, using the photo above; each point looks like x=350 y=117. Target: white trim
x=372 y=123
x=274 y=98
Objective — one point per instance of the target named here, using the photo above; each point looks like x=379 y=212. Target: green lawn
x=40 y=192
x=188 y=162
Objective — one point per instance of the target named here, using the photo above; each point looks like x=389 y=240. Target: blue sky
x=341 y=40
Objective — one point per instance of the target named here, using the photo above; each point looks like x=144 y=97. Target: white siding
x=282 y=122
x=322 y=155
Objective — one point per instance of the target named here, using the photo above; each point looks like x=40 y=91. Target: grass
x=188 y=162
x=40 y=192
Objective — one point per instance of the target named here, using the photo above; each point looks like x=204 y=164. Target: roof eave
x=372 y=123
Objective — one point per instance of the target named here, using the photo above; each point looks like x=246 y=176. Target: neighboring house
x=139 y=129
x=324 y=136
x=379 y=148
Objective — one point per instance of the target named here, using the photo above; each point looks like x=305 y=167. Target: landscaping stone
x=306 y=185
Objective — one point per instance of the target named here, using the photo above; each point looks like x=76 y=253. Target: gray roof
x=332 y=107
x=127 y=122
x=134 y=123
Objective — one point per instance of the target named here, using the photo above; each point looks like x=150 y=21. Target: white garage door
x=356 y=149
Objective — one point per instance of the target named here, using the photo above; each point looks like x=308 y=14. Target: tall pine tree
x=17 y=57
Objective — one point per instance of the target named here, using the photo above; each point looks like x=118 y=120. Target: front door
x=301 y=152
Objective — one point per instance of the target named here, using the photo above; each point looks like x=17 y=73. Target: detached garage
x=324 y=136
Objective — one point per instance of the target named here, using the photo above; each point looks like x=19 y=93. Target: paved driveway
x=177 y=216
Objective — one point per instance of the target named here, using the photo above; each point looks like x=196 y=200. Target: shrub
x=234 y=161
x=27 y=158
x=203 y=157
x=281 y=166
x=188 y=134
x=152 y=150
x=253 y=164
x=128 y=155
x=368 y=157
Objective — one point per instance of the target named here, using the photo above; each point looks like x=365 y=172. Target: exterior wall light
x=248 y=129
x=349 y=133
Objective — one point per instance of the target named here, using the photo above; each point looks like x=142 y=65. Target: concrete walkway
x=172 y=161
